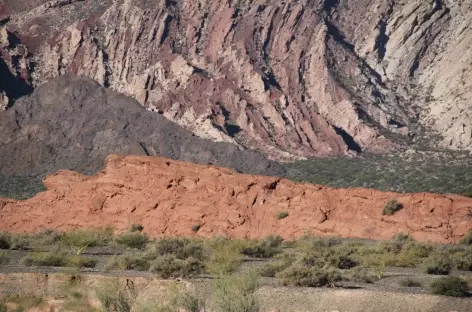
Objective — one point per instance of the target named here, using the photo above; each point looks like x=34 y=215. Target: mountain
x=72 y=122
x=293 y=78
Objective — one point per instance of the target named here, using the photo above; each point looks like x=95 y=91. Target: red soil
x=168 y=197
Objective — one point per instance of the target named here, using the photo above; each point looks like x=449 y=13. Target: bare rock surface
x=73 y=123
x=291 y=78
x=170 y=197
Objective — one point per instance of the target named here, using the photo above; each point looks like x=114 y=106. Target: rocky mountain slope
x=174 y=198
x=292 y=78
x=74 y=123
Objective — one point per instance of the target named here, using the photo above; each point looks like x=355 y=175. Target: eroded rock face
x=169 y=197
x=72 y=122
x=293 y=78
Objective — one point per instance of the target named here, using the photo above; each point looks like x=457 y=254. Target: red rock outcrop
x=293 y=78
x=168 y=197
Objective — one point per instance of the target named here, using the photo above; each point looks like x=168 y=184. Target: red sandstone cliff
x=168 y=197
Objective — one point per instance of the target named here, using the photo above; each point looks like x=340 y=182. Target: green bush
x=438 y=265
x=225 y=257
x=359 y=275
x=299 y=275
x=401 y=237
x=281 y=262
x=4 y=259
x=450 y=286
x=53 y=258
x=128 y=262
x=44 y=238
x=80 y=262
x=4 y=240
x=113 y=297
x=266 y=248
x=136 y=228
x=195 y=228
x=392 y=206
x=169 y=266
x=281 y=215
x=78 y=240
x=3 y=307
x=409 y=283
x=237 y=293
x=135 y=240
x=467 y=240
x=181 y=248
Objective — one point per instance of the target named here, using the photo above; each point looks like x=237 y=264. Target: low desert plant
x=359 y=275
x=168 y=266
x=136 y=228
x=181 y=248
x=80 y=262
x=266 y=248
x=114 y=297
x=135 y=240
x=225 y=257
x=438 y=265
x=392 y=206
x=195 y=228
x=467 y=240
x=281 y=262
x=410 y=283
x=299 y=275
x=450 y=286
x=401 y=237
x=4 y=240
x=237 y=293
x=128 y=262
x=4 y=259
x=79 y=240
x=52 y=258
x=281 y=215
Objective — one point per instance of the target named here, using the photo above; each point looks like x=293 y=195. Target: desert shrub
x=266 y=248
x=191 y=302
x=225 y=257
x=281 y=215
x=136 y=228
x=308 y=242
x=395 y=253
x=128 y=262
x=450 y=286
x=4 y=259
x=169 y=266
x=80 y=262
x=3 y=307
x=135 y=240
x=410 y=283
x=113 y=297
x=78 y=240
x=52 y=258
x=438 y=265
x=181 y=248
x=401 y=237
x=4 y=240
x=467 y=240
x=195 y=228
x=392 y=206
x=359 y=275
x=281 y=262
x=237 y=293
x=299 y=275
